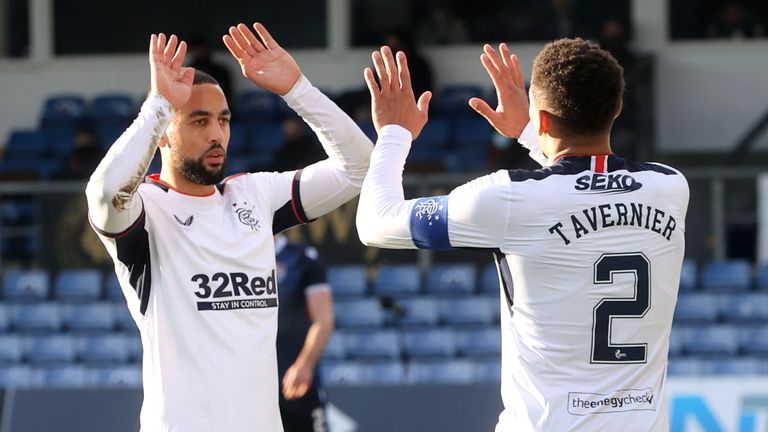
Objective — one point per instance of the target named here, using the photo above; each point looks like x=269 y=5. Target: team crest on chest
x=245 y=214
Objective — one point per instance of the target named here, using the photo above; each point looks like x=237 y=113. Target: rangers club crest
x=245 y=213
x=428 y=209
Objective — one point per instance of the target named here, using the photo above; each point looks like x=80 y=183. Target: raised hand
x=511 y=115
x=263 y=61
x=167 y=77
x=393 y=101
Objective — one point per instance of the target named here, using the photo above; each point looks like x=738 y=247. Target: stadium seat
x=36 y=318
x=20 y=376
x=29 y=145
x=429 y=343
x=452 y=100
x=11 y=349
x=336 y=348
x=78 y=285
x=488 y=371
x=66 y=376
x=384 y=373
x=60 y=348
x=369 y=130
x=468 y=310
x=697 y=308
x=113 y=290
x=107 y=134
x=737 y=366
x=746 y=308
x=754 y=340
x=688 y=276
x=452 y=279
x=26 y=285
x=111 y=348
x=259 y=105
x=358 y=313
x=762 y=278
x=239 y=144
x=127 y=376
x=378 y=344
x=727 y=276
x=717 y=340
x=678 y=338
x=113 y=108
x=350 y=280
x=122 y=317
x=397 y=280
x=133 y=342
x=471 y=132
x=345 y=373
x=265 y=137
x=63 y=110
x=689 y=366
x=89 y=317
x=467 y=159
x=432 y=142
x=5 y=318
x=441 y=372
x=18 y=211
x=489 y=279
x=417 y=311
x=480 y=342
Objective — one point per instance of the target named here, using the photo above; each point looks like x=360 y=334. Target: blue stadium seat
x=26 y=145
x=63 y=110
x=107 y=134
x=18 y=211
x=688 y=276
x=716 y=340
x=754 y=340
x=78 y=285
x=489 y=279
x=727 y=276
x=442 y=372
x=60 y=348
x=431 y=142
x=697 y=308
x=384 y=373
x=105 y=348
x=36 y=318
x=28 y=169
x=369 y=130
x=345 y=373
x=471 y=132
x=430 y=343
x=265 y=137
x=397 y=280
x=5 y=318
x=238 y=142
x=678 y=339
x=452 y=100
x=20 y=376
x=11 y=349
x=125 y=376
x=418 y=311
x=336 y=348
x=66 y=376
x=30 y=285
x=133 y=342
x=113 y=290
x=89 y=317
x=349 y=280
x=358 y=313
x=259 y=105
x=467 y=159
x=378 y=344
x=122 y=317
x=488 y=371
x=481 y=342
x=738 y=366
x=469 y=310
x=452 y=279
x=689 y=366
x=746 y=308
x=762 y=278
x=113 y=108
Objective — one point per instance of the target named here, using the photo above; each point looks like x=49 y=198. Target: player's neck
x=577 y=146
x=184 y=186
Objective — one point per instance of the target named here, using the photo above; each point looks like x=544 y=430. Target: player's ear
x=544 y=122
x=163 y=140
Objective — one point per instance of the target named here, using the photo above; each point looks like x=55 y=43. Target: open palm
x=167 y=77
x=263 y=61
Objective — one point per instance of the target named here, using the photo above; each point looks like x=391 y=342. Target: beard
x=195 y=170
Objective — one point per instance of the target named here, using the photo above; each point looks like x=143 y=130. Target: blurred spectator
x=443 y=25
x=300 y=146
x=199 y=53
x=84 y=158
x=735 y=21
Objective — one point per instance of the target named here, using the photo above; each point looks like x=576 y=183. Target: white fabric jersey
x=198 y=272
x=589 y=252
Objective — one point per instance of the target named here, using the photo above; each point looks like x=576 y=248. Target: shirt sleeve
x=314 y=277
x=473 y=215
x=530 y=141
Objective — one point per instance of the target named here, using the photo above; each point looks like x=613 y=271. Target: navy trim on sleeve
x=429 y=223
x=292 y=212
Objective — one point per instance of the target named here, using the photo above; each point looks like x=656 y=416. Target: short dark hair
x=579 y=83
x=204 y=78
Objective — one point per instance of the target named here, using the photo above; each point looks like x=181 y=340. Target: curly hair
x=579 y=83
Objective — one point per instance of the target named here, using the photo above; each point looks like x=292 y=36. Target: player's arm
x=298 y=378
x=327 y=184
x=510 y=118
x=472 y=215
x=111 y=191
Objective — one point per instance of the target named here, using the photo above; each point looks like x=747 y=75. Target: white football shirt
x=589 y=252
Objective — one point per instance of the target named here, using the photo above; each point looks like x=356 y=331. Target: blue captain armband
x=429 y=223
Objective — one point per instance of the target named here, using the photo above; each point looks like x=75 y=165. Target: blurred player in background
x=588 y=248
x=195 y=255
x=305 y=324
